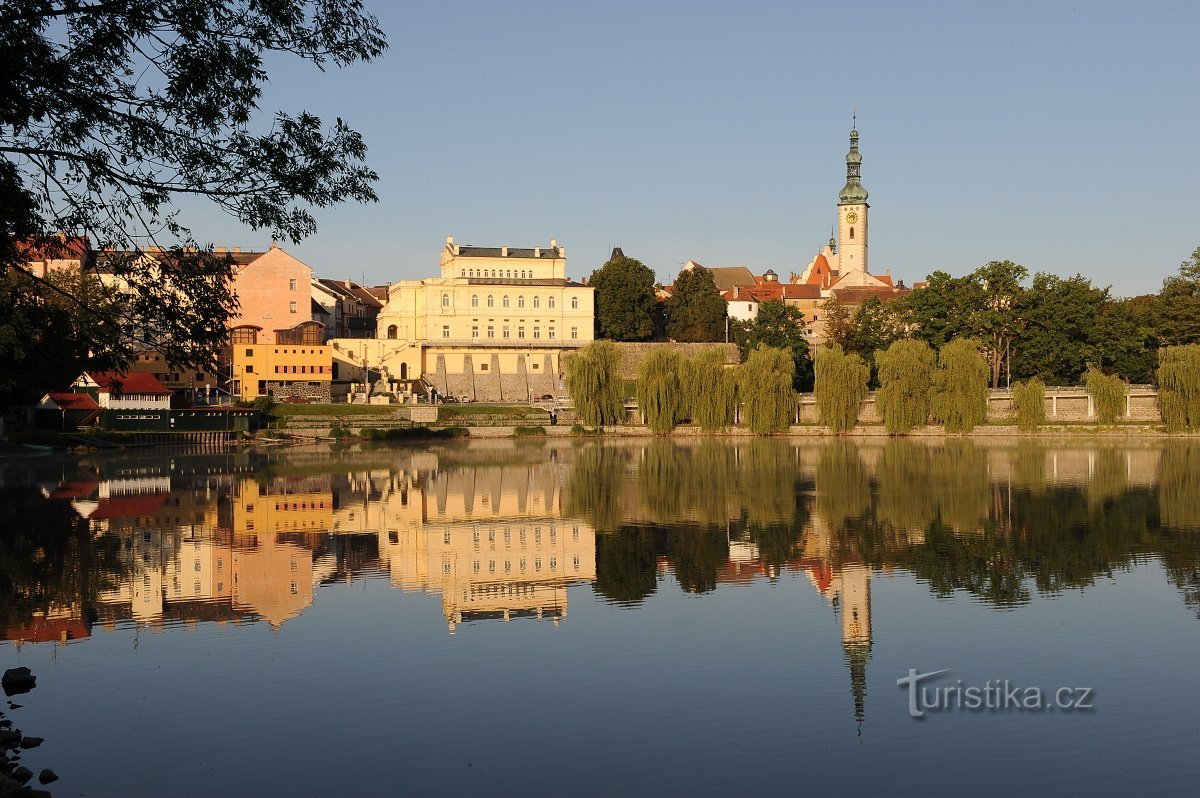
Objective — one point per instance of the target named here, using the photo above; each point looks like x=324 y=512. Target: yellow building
x=492 y=327
x=297 y=366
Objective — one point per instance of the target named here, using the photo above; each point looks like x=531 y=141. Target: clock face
x=852 y=217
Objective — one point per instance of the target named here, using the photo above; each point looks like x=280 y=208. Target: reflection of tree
x=843 y=491
x=1109 y=477
x=49 y=561
x=696 y=553
x=663 y=479
x=1179 y=487
x=594 y=486
x=626 y=564
x=766 y=482
x=978 y=564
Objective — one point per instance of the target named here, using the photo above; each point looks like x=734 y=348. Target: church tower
x=852 y=214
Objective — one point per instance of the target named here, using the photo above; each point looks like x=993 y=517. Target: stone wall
x=633 y=353
x=309 y=391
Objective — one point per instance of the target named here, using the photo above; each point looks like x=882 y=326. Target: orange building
x=296 y=366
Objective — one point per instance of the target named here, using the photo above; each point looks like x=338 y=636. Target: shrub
x=528 y=432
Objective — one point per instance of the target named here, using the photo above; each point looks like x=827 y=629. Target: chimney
x=237 y=249
x=553 y=244
x=504 y=252
x=537 y=252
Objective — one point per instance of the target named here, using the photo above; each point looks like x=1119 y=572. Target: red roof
x=74 y=490
x=128 y=382
x=74 y=401
x=129 y=506
x=54 y=248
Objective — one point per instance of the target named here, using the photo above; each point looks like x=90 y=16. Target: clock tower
x=852 y=214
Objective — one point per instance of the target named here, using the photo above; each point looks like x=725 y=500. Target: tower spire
x=853 y=193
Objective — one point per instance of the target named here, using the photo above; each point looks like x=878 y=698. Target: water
x=645 y=618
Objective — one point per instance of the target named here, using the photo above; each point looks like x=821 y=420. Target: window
x=537 y=301
x=392 y=331
x=292 y=307
x=292 y=284
x=574 y=332
x=249 y=353
x=504 y=301
x=537 y=332
x=520 y=301
x=574 y=303
x=491 y=300
x=462 y=272
x=250 y=369
x=550 y=302
x=445 y=331
x=491 y=331
x=475 y=332
x=504 y=332
x=445 y=300
x=550 y=333
x=851 y=233
x=474 y=300
x=520 y=332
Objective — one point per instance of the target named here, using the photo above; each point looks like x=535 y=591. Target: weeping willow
x=960 y=387
x=711 y=389
x=1029 y=400
x=841 y=386
x=1108 y=395
x=765 y=389
x=660 y=393
x=594 y=382
x=1179 y=387
x=905 y=380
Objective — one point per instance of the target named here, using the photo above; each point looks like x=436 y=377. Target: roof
x=513 y=252
x=128 y=506
x=108 y=258
x=726 y=277
x=59 y=247
x=352 y=290
x=318 y=309
x=128 y=382
x=68 y=401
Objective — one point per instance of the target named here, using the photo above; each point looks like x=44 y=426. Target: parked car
x=450 y=400
x=465 y=400
x=547 y=397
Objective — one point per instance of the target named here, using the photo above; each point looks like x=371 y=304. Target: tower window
x=851 y=233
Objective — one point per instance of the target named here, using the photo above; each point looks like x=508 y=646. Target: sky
x=1061 y=136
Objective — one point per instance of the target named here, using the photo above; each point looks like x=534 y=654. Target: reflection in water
x=500 y=531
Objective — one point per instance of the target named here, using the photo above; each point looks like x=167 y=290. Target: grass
x=488 y=410
x=528 y=432
x=287 y=409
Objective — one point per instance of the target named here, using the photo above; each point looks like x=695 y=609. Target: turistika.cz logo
x=998 y=695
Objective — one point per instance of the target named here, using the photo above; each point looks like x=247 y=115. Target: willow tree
x=960 y=386
x=765 y=389
x=841 y=386
x=660 y=390
x=905 y=382
x=594 y=382
x=1108 y=395
x=1179 y=386
x=1029 y=400
x=711 y=389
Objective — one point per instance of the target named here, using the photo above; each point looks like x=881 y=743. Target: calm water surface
x=651 y=618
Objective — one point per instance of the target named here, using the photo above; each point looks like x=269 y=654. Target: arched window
x=574 y=303
x=851 y=233
x=521 y=301
x=392 y=331
x=550 y=302
x=445 y=300
x=474 y=300
x=404 y=371
x=462 y=272
x=471 y=273
x=537 y=301
x=522 y=274
x=509 y=273
x=504 y=301
x=491 y=300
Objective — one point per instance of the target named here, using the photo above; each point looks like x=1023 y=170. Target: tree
x=781 y=326
x=837 y=321
x=941 y=310
x=696 y=311
x=594 y=382
x=711 y=389
x=998 y=318
x=1125 y=338
x=625 y=300
x=113 y=112
x=1179 y=387
x=1179 y=305
x=1061 y=317
x=905 y=380
x=660 y=390
x=1108 y=394
x=960 y=386
x=840 y=387
x=1029 y=401
x=765 y=389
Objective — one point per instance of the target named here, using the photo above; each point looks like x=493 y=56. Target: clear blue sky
x=1062 y=136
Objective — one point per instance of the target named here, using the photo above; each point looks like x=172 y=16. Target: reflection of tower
x=853 y=586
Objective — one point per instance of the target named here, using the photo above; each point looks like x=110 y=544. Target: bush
x=408 y=433
x=528 y=432
x=1108 y=395
x=1029 y=401
x=340 y=432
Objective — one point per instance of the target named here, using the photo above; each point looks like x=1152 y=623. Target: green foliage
x=1029 y=401
x=594 y=383
x=960 y=387
x=407 y=433
x=1061 y=331
x=660 y=390
x=943 y=309
x=264 y=404
x=1108 y=395
x=905 y=382
x=696 y=311
x=1179 y=387
x=1179 y=305
x=781 y=326
x=711 y=389
x=529 y=432
x=335 y=410
x=625 y=300
x=765 y=389
x=117 y=112
x=340 y=432
x=840 y=387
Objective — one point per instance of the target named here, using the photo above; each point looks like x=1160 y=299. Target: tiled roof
x=73 y=401
x=513 y=252
x=54 y=248
x=128 y=382
x=108 y=259
x=128 y=506
x=727 y=277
